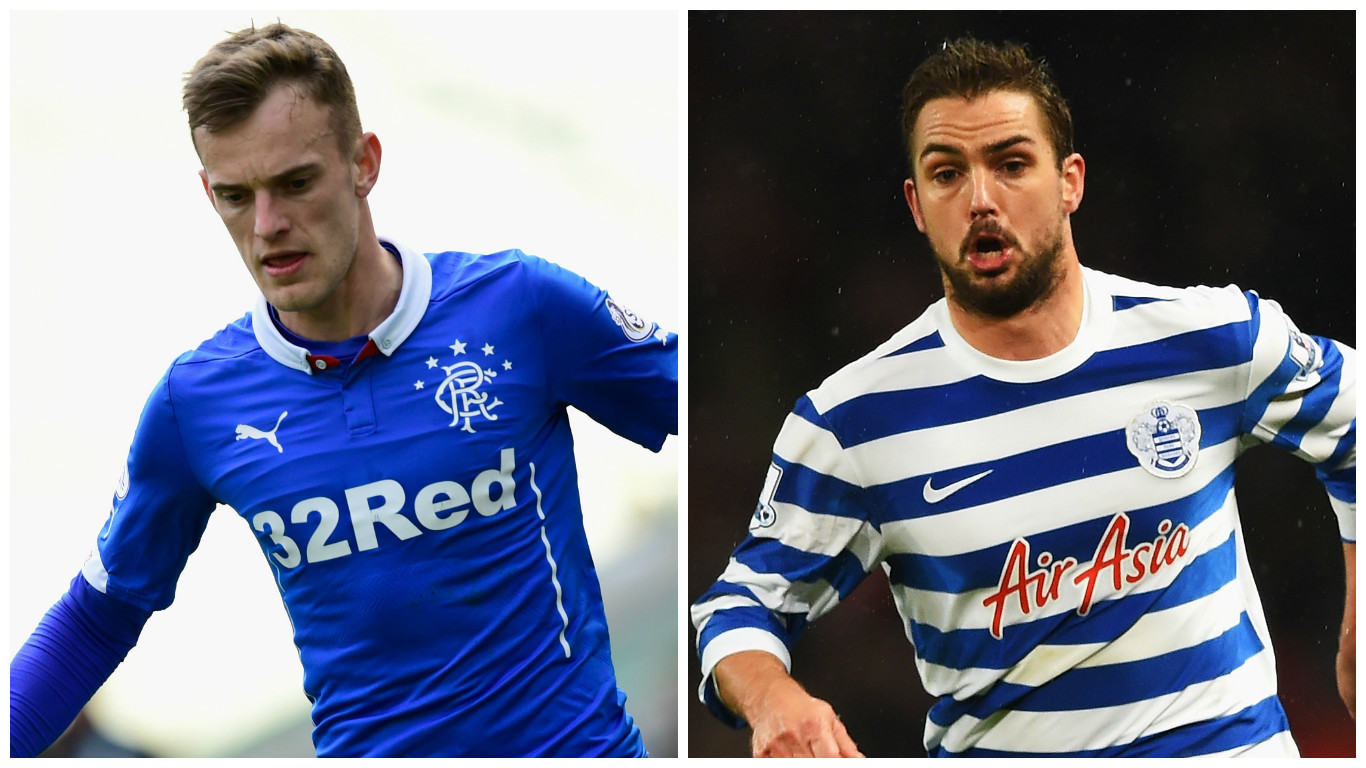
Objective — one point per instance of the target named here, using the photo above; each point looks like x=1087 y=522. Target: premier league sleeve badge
x=1165 y=438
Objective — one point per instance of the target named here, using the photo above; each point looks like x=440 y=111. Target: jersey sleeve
x=73 y=650
x=810 y=543
x=604 y=359
x=158 y=515
x=1302 y=398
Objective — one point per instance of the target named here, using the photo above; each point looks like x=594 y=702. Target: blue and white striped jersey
x=1060 y=535
x=418 y=506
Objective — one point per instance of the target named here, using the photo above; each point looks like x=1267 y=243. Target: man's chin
x=1003 y=287
x=293 y=298
x=1000 y=293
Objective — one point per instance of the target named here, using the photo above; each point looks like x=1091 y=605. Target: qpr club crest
x=1165 y=438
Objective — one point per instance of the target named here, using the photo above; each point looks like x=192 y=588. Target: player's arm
x=1302 y=398
x=785 y=719
x=74 y=649
x=605 y=360
x=1347 y=641
x=155 y=521
x=811 y=542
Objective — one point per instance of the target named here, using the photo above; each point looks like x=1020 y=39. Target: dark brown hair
x=967 y=68
x=234 y=77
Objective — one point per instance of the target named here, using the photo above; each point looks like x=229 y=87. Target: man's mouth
x=282 y=263
x=989 y=252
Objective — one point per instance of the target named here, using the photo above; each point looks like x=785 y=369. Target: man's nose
x=983 y=194
x=270 y=219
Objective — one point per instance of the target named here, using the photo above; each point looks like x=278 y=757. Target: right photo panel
x=1021 y=384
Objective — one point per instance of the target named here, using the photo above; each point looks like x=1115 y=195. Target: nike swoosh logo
x=935 y=495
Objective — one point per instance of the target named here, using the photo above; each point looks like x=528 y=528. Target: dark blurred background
x=1219 y=149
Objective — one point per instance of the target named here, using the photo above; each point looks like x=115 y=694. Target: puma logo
x=245 y=431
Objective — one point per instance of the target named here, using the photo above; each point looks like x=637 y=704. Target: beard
x=1036 y=275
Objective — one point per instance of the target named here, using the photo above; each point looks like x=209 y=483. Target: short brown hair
x=967 y=68
x=234 y=77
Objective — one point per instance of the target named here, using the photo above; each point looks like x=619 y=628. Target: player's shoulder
x=234 y=340
x=189 y=373
x=231 y=359
x=456 y=271
x=906 y=359
x=1228 y=302
x=453 y=271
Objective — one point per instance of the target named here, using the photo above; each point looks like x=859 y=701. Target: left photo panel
x=344 y=384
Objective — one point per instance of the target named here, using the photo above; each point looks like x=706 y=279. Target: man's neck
x=1043 y=329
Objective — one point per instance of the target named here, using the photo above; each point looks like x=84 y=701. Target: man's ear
x=913 y=201
x=1073 y=182
x=368 y=153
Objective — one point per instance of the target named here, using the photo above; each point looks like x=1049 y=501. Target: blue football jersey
x=418 y=505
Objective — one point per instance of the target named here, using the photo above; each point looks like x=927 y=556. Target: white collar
x=413 y=298
x=1091 y=335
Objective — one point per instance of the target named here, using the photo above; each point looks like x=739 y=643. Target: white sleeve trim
x=734 y=641
x=1346 y=512
x=94 y=572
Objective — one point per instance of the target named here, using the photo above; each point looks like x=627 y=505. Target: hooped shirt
x=1061 y=536
x=418 y=504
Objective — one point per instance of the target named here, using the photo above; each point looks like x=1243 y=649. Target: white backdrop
x=554 y=133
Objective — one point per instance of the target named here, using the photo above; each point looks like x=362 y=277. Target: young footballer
x=392 y=427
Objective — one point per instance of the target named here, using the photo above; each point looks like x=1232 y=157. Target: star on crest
x=458 y=347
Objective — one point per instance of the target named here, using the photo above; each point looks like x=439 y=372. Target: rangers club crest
x=1165 y=438
x=463 y=391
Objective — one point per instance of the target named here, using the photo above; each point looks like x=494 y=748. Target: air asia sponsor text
x=1112 y=566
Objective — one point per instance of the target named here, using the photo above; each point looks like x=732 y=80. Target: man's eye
x=232 y=198
x=944 y=175
x=1014 y=166
x=299 y=183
